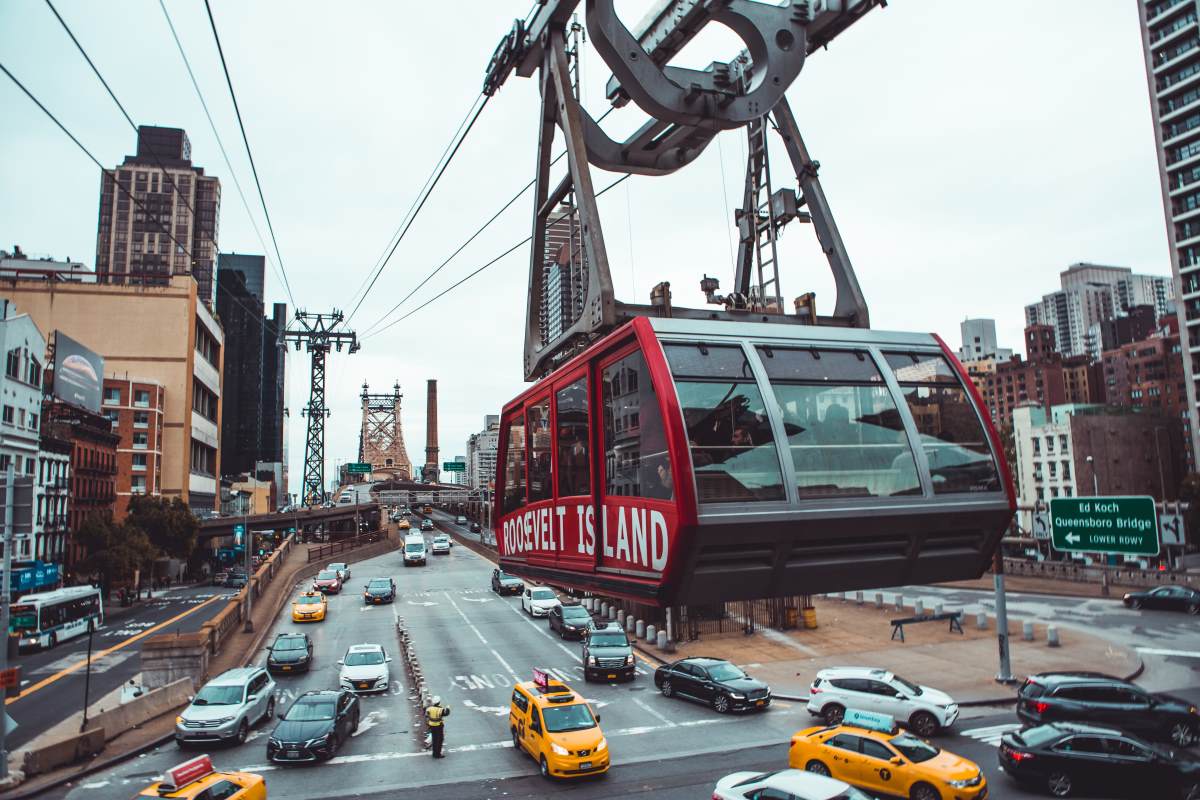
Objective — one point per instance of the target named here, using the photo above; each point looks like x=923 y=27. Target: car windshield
x=542 y=594
x=441 y=538
x=364 y=658
x=913 y=748
x=310 y=711
x=414 y=547
x=560 y=719
x=608 y=640
x=310 y=600
x=575 y=612
x=378 y=584
x=326 y=575
x=289 y=643
x=218 y=696
x=725 y=672
x=911 y=688
x=504 y=576
x=337 y=566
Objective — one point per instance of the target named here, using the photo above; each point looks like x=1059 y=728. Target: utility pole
x=319 y=333
x=1005 y=674
x=10 y=501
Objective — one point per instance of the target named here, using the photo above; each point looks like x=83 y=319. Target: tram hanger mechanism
x=683 y=456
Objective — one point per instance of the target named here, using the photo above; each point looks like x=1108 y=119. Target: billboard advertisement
x=78 y=373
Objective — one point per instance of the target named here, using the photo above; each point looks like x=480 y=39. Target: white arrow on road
x=1072 y=538
x=477 y=599
x=499 y=711
x=425 y=603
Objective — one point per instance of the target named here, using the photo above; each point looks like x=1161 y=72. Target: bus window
x=732 y=446
x=537 y=418
x=636 y=462
x=574 y=473
x=514 y=466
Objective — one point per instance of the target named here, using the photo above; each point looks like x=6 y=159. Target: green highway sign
x=1123 y=525
x=454 y=466
x=358 y=468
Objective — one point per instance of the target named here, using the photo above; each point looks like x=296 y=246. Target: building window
x=1054 y=491
x=20 y=418
x=1049 y=444
x=34 y=374
x=204 y=402
x=1037 y=446
x=141 y=398
x=1067 y=491
x=9 y=413
x=112 y=396
x=114 y=418
x=1066 y=470
x=204 y=458
x=1062 y=442
x=139 y=462
x=1053 y=470
x=140 y=441
x=138 y=486
x=33 y=422
x=141 y=419
x=13 y=368
x=1041 y=493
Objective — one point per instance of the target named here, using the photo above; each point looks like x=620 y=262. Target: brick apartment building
x=93 y=461
x=135 y=407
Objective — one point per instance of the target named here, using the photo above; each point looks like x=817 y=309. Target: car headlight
x=317 y=742
x=558 y=748
x=591 y=661
x=736 y=696
x=963 y=784
x=629 y=660
x=603 y=745
x=273 y=742
x=223 y=720
x=179 y=720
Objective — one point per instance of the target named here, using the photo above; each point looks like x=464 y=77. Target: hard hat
x=437 y=701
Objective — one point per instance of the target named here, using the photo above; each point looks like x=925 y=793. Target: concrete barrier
x=651 y=634
x=141 y=709
x=639 y=629
x=858 y=598
x=1052 y=636
x=1027 y=631
x=662 y=640
x=629 y=624
x=919 y=608
x=899 y=602
x=879 y=599
x=981 y=621
x=64 y=751
x=621 y=618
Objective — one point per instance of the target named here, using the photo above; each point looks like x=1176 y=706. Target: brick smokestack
x=431 y=471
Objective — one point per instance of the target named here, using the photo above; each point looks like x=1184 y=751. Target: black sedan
x=475 y=527
x=379 y=590
x=290 y=652
x=503 y=583
x=314 y=727
x=712 y=681
x=1169 y=598
x=1067 y=758
x=571 y=621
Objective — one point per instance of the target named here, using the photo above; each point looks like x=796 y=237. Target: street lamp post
x=1096 y=493
x=247 y=543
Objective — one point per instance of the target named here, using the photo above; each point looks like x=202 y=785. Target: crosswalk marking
x=992 y=734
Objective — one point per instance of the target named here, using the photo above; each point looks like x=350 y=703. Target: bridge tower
x=381 y=443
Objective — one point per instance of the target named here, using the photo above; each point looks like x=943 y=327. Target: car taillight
x=814 y=689
x=1040 y=707
x=1019 y=756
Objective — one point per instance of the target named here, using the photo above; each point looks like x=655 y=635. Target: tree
x=1008 y=441
x=169 y=524
x=115 y=551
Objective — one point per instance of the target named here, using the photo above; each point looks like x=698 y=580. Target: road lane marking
x=99 y=665
x=466 y=619
x=1158 y=651
x=642 y=704
x=992 y=734
x=521 y=613
x=96 y=656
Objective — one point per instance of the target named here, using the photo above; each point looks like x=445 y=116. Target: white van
x=414 y=549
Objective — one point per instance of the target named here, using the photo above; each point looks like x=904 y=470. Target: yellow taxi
x=309 y=607
x=869 y=750
x=197 y=779
x=403 y=525
x=556 y=726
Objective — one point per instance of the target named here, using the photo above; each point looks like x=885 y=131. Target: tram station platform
x=964 y=665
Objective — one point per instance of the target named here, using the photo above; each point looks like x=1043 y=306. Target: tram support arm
x=1005 y=674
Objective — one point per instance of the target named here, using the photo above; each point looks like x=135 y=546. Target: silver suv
x=921 y=709
x=227 y=706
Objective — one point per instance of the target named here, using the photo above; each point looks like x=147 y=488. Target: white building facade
x=24 y=348
x=481 y=454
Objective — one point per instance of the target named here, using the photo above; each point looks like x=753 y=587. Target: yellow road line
x=95 y=656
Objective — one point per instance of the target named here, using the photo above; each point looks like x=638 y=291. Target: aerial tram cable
x=441 y=170
x=224 y=154
x=107 y=172
x=245 y=140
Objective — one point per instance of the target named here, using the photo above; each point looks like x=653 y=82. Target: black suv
x=713 y=681
x=1099 y=699
x=290 y=652
x=572 y=621
x=607 y=654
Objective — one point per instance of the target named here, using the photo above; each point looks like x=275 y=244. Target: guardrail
x=226 y=620
x=322 y=552
x=1093 y=573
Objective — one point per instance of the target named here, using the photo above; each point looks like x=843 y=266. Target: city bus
x=47 y=618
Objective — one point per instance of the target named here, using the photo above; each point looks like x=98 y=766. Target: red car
x=327 y=581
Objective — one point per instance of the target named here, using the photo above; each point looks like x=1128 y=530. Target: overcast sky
x=970 y=151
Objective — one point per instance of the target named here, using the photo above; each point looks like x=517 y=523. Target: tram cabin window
x=844 y=432
x=952 y=435
x=571 y=406
x=514 y=466
x=732 y=447
x=537 y=418
x=636 y=461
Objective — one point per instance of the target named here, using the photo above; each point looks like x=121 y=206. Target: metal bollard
x=587 y=603
x=1052 y=635
x=612 y=612
x=919 y=608
x=629 y=624
x=640 y=629
x=858 y=598
x=604 y=609
x=938 y=608
x=899 y=602
x=981 y=621
x=879 y=599
x=1027 y=631
x=621 y=617
x=662 y=640
x=651 y=634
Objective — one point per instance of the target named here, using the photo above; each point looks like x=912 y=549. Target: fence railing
x=323 y=552
x=226 y=620
x=1092 y=573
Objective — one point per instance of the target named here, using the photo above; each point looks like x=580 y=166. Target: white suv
x=921 y=709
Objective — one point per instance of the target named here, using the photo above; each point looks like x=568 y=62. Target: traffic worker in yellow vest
x=435 y=718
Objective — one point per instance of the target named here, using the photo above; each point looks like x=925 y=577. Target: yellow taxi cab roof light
x=870 y=720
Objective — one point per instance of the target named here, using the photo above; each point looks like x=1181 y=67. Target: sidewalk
x=1024 y=584
x=851 y=635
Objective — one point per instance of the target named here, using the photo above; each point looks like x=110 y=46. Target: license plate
x=293 y=753
x=760 y=702
x=287 y=669
x=364 y=685
x=612 y=674
x=585 y=765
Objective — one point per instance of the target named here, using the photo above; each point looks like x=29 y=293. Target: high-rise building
x=979 y=341
x=252 y=267
x=459 y=478
x=241 y=315
x=274 y=445
x=564 y=273
x=136 y=409
x=1169 y=35
x=172 y=228
x=481 y=454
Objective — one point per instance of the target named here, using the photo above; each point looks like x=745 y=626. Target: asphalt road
x=52 y=681
x=472 y=646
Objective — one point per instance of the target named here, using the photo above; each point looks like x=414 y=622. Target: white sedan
x=365 y=669
x=538 y=600
x=342 y=569
x=795 y=783
x=441 y=544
